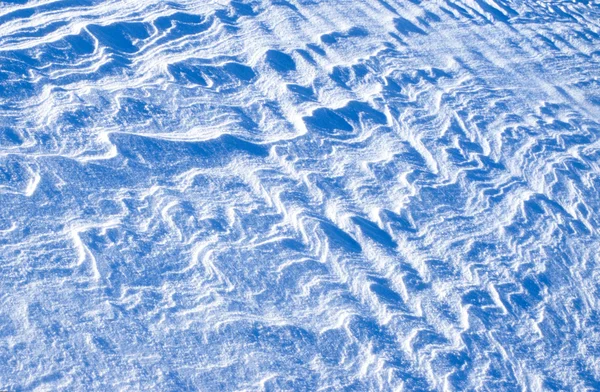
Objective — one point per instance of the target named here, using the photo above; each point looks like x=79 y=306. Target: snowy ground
x=299 y=195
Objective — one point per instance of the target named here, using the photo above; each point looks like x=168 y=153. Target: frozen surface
x=299 y=195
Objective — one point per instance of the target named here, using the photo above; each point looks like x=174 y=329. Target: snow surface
x=299 y=195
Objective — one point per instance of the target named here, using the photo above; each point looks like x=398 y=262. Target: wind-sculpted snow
x=299 y=195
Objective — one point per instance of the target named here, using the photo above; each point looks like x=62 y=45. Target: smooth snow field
x=299 y=195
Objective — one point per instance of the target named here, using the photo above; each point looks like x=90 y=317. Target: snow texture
x=299 y=195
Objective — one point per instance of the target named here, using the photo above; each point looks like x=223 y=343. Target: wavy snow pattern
x=299 y=195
